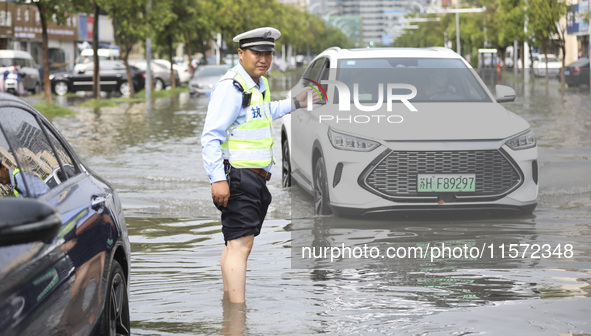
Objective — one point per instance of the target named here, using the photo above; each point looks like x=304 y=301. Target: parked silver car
x=160 y=74
x=205 y=78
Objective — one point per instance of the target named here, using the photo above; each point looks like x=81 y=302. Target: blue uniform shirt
x=36 y=186
x=225 y=110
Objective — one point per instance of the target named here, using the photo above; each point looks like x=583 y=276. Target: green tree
x=544 y=23
x=511 y=15
x=129 y=25
x=50 y=10
x=168 y=30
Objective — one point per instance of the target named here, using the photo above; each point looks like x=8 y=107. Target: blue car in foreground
x=64 y=248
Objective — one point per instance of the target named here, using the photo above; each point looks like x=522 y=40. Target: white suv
x=407 y=129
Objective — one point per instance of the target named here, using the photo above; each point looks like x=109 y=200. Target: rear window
x=210 y=72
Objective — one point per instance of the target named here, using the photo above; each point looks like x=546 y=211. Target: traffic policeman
x=237 y=143
x=21 y=182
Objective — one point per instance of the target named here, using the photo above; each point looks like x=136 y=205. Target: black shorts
x=247 y=206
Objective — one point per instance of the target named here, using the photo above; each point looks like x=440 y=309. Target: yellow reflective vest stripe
x=249 y=145
x=13 y=181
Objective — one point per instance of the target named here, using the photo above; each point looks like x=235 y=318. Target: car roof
x=101 y=52
x=432 y=52
x=15 y=53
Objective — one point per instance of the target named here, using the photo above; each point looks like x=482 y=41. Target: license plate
x=446 y=182
x=566 y=72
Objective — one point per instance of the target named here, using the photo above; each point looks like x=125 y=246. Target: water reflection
x=154 y=160
x=234 y=317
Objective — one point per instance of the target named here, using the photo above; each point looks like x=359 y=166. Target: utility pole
x=148 y=85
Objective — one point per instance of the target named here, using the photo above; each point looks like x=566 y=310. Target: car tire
x=321 y=198
x=60 y=88
x=115 y=317
x=285 y=165
x=124 y=89
x=159 y=85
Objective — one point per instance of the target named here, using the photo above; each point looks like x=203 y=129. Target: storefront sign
x=27 y=25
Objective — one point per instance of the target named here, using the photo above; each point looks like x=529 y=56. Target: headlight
x=522 y=141
x=51 y=76
x=348 y=142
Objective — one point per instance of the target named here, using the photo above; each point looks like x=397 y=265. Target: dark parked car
x=64 y=247
x=160 y=74
x=113 y=78
x=577 y=73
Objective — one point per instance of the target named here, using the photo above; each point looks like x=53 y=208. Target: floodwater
x=153 y=157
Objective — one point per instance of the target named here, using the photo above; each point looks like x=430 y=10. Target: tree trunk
x=45 y=61
x=96 y=92
x=128 y=70
x=170 y=56
x=545 y=51
x=562 y=79
x=189 y=53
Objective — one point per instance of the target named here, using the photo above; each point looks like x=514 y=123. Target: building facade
x=380 y=21
x=20 y=29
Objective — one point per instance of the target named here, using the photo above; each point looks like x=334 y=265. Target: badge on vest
x=256 y=112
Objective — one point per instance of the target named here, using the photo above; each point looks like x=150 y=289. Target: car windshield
x=6 y=62
x=435 y=79
x=210 y=71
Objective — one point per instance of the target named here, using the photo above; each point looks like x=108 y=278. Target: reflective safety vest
x=250 y=144
x=13 y=181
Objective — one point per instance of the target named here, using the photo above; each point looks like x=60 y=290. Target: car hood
x=432 y=121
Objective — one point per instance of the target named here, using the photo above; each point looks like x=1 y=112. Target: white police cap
x=259 y=39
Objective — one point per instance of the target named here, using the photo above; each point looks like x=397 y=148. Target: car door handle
x=97 y=203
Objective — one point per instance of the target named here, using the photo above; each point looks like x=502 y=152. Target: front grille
x=394 y=174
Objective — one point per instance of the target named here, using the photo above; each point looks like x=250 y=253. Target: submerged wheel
x=321 y=198
x=285 y=165
x=115 y=317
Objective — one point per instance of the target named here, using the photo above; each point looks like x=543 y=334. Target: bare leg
x=234 y=259
x=234 y=317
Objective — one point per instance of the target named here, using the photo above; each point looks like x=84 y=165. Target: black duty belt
x=259 y=171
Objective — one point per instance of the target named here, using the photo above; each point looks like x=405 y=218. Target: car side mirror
x=27 y=220
x=504 y=94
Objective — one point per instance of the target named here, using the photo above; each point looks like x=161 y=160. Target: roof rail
x=333 y=48
x=444 y=49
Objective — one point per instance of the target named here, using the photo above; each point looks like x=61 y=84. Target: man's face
x=256 y=63
x=4 y=175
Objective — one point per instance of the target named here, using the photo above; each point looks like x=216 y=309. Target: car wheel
x=159 y=85
x=124 y=89
x=321 y=198
x=285 y=165
x=115 y=317
x=60 y=88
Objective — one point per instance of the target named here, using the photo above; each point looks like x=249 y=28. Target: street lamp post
x=457 y=11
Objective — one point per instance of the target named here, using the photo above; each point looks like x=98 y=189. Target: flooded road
x=154 y=160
